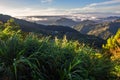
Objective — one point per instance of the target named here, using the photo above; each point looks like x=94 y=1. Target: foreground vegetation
x=29 y=57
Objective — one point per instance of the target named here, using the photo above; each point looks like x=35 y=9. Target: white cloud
x=31 y=11
x=36 y=19
x=106 y=7
x=46 y=1
x=103 y=9
x=111 y=6
x=104 y=3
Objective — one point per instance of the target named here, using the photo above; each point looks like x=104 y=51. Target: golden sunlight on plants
x=113 y=45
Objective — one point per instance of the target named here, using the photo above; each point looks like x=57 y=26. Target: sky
x=59 y=7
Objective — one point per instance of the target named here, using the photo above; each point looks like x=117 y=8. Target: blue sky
x=59 y=7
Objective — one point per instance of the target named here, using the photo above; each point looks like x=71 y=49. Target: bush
x=113 y=45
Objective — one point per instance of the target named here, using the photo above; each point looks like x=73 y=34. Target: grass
x=36 y=58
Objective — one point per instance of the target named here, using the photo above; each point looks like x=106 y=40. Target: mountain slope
x=33 y=27
x=85 y=26
x=103 y=30
x=53 y=31
x=65 y=22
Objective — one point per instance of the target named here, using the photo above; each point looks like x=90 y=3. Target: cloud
x=37 y=19
x=111 y=6
x=32 y=11
x=94 y=10
x=46 y=1
x=104 y=3
x=103 y=8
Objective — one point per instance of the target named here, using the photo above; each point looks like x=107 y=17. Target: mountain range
x=100 y=27
x=103 y=30
x=55 y=30
x=65 y=22
x=51 y=20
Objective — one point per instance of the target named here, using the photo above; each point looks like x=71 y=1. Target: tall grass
x=32 y=58
x=14 y=64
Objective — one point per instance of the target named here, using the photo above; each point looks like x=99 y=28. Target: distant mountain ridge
x=108 y=19
x=103 y=30
x=31 y=26
x=100 y=27
x=65 y=22
x=53 y=30
x=50 y=20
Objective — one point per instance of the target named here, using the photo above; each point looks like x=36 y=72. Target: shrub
x=112 y=47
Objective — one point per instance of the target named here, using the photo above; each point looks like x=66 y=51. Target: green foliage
x=14 y=65
x=113 y=42
x=9 y=28
x=1 y=26
x=32 y=58
x=113 y=48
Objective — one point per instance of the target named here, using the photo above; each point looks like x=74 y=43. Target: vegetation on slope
x=29 y=57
